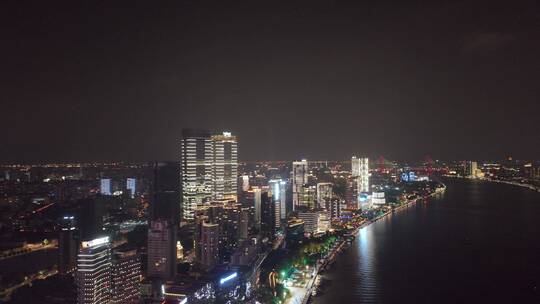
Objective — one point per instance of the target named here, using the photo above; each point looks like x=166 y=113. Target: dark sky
x=118 y=80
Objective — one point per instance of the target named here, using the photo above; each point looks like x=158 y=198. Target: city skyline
x=291 y=80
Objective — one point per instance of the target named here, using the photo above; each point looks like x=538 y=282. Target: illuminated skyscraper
x=299 y=179
x=471 y=168
x=197 y=158
x=161 y=250
x=360 y=173
x=94 y=272
x=278 y=188
x=126 y=272
x=225 y=166
x=105 y=186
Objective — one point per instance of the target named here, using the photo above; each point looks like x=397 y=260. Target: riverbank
x=334 y=254
x=419 y=255
x=513 y=183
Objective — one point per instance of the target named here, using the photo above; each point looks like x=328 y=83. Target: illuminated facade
x=94 y=272
x=105 y=187
x=377 y=198
x=209 y=169
x=299 y=179
x=126 y=277
x=225 y=166
x=278 y=188
x=245 y=182
x=131 y=186
x=196 y=161
x=324 y=194
x=360 y=174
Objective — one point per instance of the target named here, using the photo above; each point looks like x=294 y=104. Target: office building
x=197 y=158
x=161 y=250
x=94 y=272
x=269 y=215
x=377 y=198
x=311 y=220
x=278 y=188
x=67 y=245
x=300 y=173
x=105 y=186
x=243 y=229
x=165 y=196
x=131 y=186
x=471 y=169
x=126 y=277
x=209 y=245
x=245 y=182
x=90 y=217
x=360 y=173
x=225 y=166
x=315 y=221
x=324 y=194
x=257 y=199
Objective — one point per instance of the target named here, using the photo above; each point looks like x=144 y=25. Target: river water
x=479 y=242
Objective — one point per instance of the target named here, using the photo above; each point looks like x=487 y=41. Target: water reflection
x=367 y=265
x=467 y=246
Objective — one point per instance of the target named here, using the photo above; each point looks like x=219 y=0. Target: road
x=27 y=249
x=6 y=293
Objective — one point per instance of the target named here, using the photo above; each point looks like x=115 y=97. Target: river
x=479 y=242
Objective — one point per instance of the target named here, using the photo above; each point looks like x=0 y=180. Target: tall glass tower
x=225 y=166
x=197 y=158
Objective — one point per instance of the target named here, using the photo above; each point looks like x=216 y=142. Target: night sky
x=118 y=80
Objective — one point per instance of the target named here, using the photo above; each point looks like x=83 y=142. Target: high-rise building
x=131 y=186
x=269 y=221
x=360 y=173
x=67 y=245
x=197 y=158
x=165 y=192
x=324 y=194
x=105 y=186
x=209 y=245
x=471 y=168
x=94 y=272
x=90 y=217
x=245 y=182
x=257 y=198
x=278 y=188
x=126 y=277
x=225 y=166
x=243 y=231
x=161 y=249
x=299 y=180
